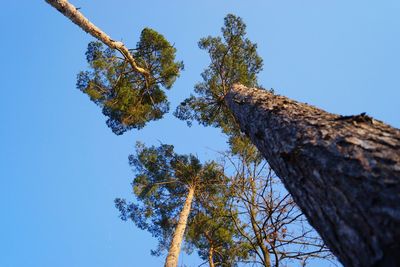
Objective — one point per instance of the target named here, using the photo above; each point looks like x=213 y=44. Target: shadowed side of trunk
x=343 y=171
x=175 y=248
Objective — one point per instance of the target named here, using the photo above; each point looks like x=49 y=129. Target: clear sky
x=61 y=167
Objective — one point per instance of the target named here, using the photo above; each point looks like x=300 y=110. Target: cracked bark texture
x=342 y=171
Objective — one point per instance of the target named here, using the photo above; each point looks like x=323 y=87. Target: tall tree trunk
x=175 y=248
x=79 y=19
x=343 y=171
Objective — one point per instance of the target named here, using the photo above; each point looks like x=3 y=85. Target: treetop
x=130 y=99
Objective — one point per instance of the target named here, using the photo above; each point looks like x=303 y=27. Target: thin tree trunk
x=211 y=257
x=79 y=19
x=175 y=248
x=210 y=250
x=343 y=171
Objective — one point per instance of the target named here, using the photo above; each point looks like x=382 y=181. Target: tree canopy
x=243 y=219
x=211 y=230
x=234 y=59
x=161 y=184
x=130 y=99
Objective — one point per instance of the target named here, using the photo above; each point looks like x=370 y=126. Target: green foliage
x=130 y=99
x=161 y=184
x=241 y=146
x=238 y=219
x=212 y=227
x=272 y=227
x=234 y=59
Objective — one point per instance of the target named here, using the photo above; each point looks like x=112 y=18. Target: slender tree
x=129 y=89
x=166 y=185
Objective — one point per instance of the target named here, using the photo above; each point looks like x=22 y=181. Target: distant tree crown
x=234 y=59
x=161 y=184
x=130 y=99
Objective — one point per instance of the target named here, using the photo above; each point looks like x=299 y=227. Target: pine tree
x=129 y=89
x=127 y=98
x=166 y=185
x=234 y=59
x=342 y=171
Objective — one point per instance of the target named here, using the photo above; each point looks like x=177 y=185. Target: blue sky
x=61 y=167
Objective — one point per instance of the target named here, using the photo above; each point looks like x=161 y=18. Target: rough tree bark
x=79 y=19
x=175 y=247
x=343 y=171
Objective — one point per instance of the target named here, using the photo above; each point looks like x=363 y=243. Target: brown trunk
x=211 y=257
x=210 y=250
x=175 y=248
x=79 y=19
x=343 y=171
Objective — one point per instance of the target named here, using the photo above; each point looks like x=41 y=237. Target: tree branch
x=71 y=12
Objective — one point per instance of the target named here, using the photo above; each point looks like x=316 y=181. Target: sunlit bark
x=175 y=248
